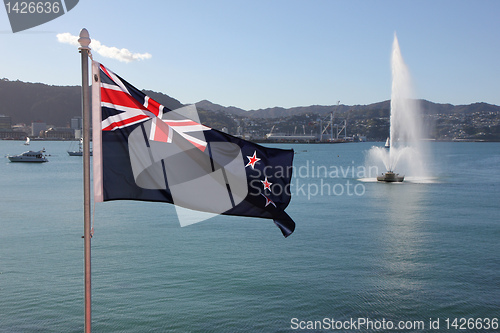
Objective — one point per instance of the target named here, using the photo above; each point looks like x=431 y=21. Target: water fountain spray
x=405 y=153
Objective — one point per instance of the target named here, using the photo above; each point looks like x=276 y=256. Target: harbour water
x=409 y=252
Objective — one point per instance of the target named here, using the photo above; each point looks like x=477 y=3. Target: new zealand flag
x=144 y=151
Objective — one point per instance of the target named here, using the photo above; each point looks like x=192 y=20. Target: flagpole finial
x=84 y=40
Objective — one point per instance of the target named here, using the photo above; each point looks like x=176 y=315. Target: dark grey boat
x=390 y=177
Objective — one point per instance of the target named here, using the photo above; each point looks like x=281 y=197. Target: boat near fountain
x=391 y=177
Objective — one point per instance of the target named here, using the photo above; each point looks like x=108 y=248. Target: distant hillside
x=28 y=102
x=375 y=108
x=56 y=105
x=163 y=99
x=209 y=106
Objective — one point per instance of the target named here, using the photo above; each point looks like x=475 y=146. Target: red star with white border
x=268 y=201
x=267 y=185
x=252 y=160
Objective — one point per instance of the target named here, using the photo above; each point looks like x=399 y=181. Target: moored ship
x=29 y=156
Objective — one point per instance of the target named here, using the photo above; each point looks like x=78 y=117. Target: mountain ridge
x=428 y=107
x=26 y=102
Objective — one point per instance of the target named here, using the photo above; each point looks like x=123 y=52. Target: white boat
x=29 y=156
x=387 y=143
x=27 y=143
x=78 y=152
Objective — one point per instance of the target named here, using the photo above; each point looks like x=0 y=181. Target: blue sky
x=265 y=53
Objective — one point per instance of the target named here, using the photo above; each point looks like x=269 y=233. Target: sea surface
x=387 y=253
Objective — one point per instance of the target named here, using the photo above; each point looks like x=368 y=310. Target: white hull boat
x=29 y=157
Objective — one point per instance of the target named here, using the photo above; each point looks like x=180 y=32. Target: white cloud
x=105 y=51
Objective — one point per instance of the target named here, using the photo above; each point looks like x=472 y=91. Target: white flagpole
x=84 y=48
